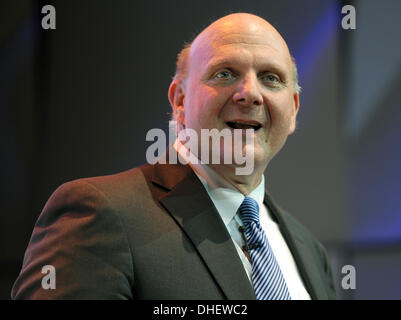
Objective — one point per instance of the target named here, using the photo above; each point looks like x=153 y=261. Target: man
x=197 y=231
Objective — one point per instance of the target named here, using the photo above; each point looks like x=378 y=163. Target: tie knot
x=249 y=211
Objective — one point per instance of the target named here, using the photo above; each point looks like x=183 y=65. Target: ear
x=176 y=96
x=295 y=106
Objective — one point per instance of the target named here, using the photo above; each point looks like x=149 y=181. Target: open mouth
x=244 y=125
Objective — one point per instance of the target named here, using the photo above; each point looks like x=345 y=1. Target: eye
x=270 y=77
x=225 y=74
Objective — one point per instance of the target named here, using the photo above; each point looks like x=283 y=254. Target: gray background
x=77 y=102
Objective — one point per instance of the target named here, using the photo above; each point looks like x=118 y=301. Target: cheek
x=281 y=113
x=204 y=106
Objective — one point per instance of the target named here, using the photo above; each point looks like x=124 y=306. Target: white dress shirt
x=227 y=200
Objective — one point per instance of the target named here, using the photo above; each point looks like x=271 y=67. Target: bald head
x=234 y=28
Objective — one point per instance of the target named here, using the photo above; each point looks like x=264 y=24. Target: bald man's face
x=240 y=76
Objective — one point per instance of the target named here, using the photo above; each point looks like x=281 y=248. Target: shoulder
x=81 y=232
x=103 y=190
x=97 y=201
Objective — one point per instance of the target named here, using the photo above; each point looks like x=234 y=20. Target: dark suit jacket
x=150 y=233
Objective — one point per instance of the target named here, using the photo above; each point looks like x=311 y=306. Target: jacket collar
x=188 y=203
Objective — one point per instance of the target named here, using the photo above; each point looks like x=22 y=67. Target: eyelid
x=267 y=73
x=232 y=74
x=225 y=70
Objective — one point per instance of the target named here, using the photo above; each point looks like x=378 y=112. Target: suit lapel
x=190 y=206
x=302 y=254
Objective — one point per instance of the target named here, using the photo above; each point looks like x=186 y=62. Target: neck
x=244 y=184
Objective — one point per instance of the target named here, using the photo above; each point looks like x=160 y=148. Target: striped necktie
x=268 y=281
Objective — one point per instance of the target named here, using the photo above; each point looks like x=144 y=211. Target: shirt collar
x=226 y=198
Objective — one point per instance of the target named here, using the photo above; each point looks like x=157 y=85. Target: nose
x=248 y=92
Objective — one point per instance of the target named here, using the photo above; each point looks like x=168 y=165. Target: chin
x=254 y=158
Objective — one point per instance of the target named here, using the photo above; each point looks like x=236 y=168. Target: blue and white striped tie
x=268 y=281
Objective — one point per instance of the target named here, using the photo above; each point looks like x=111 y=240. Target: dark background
x=77 y=102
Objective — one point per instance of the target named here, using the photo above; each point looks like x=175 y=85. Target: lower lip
x=244 y=130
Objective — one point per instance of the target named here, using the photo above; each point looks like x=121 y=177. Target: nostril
x=248 y=99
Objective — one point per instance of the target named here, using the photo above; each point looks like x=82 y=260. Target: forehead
x=258 y=48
